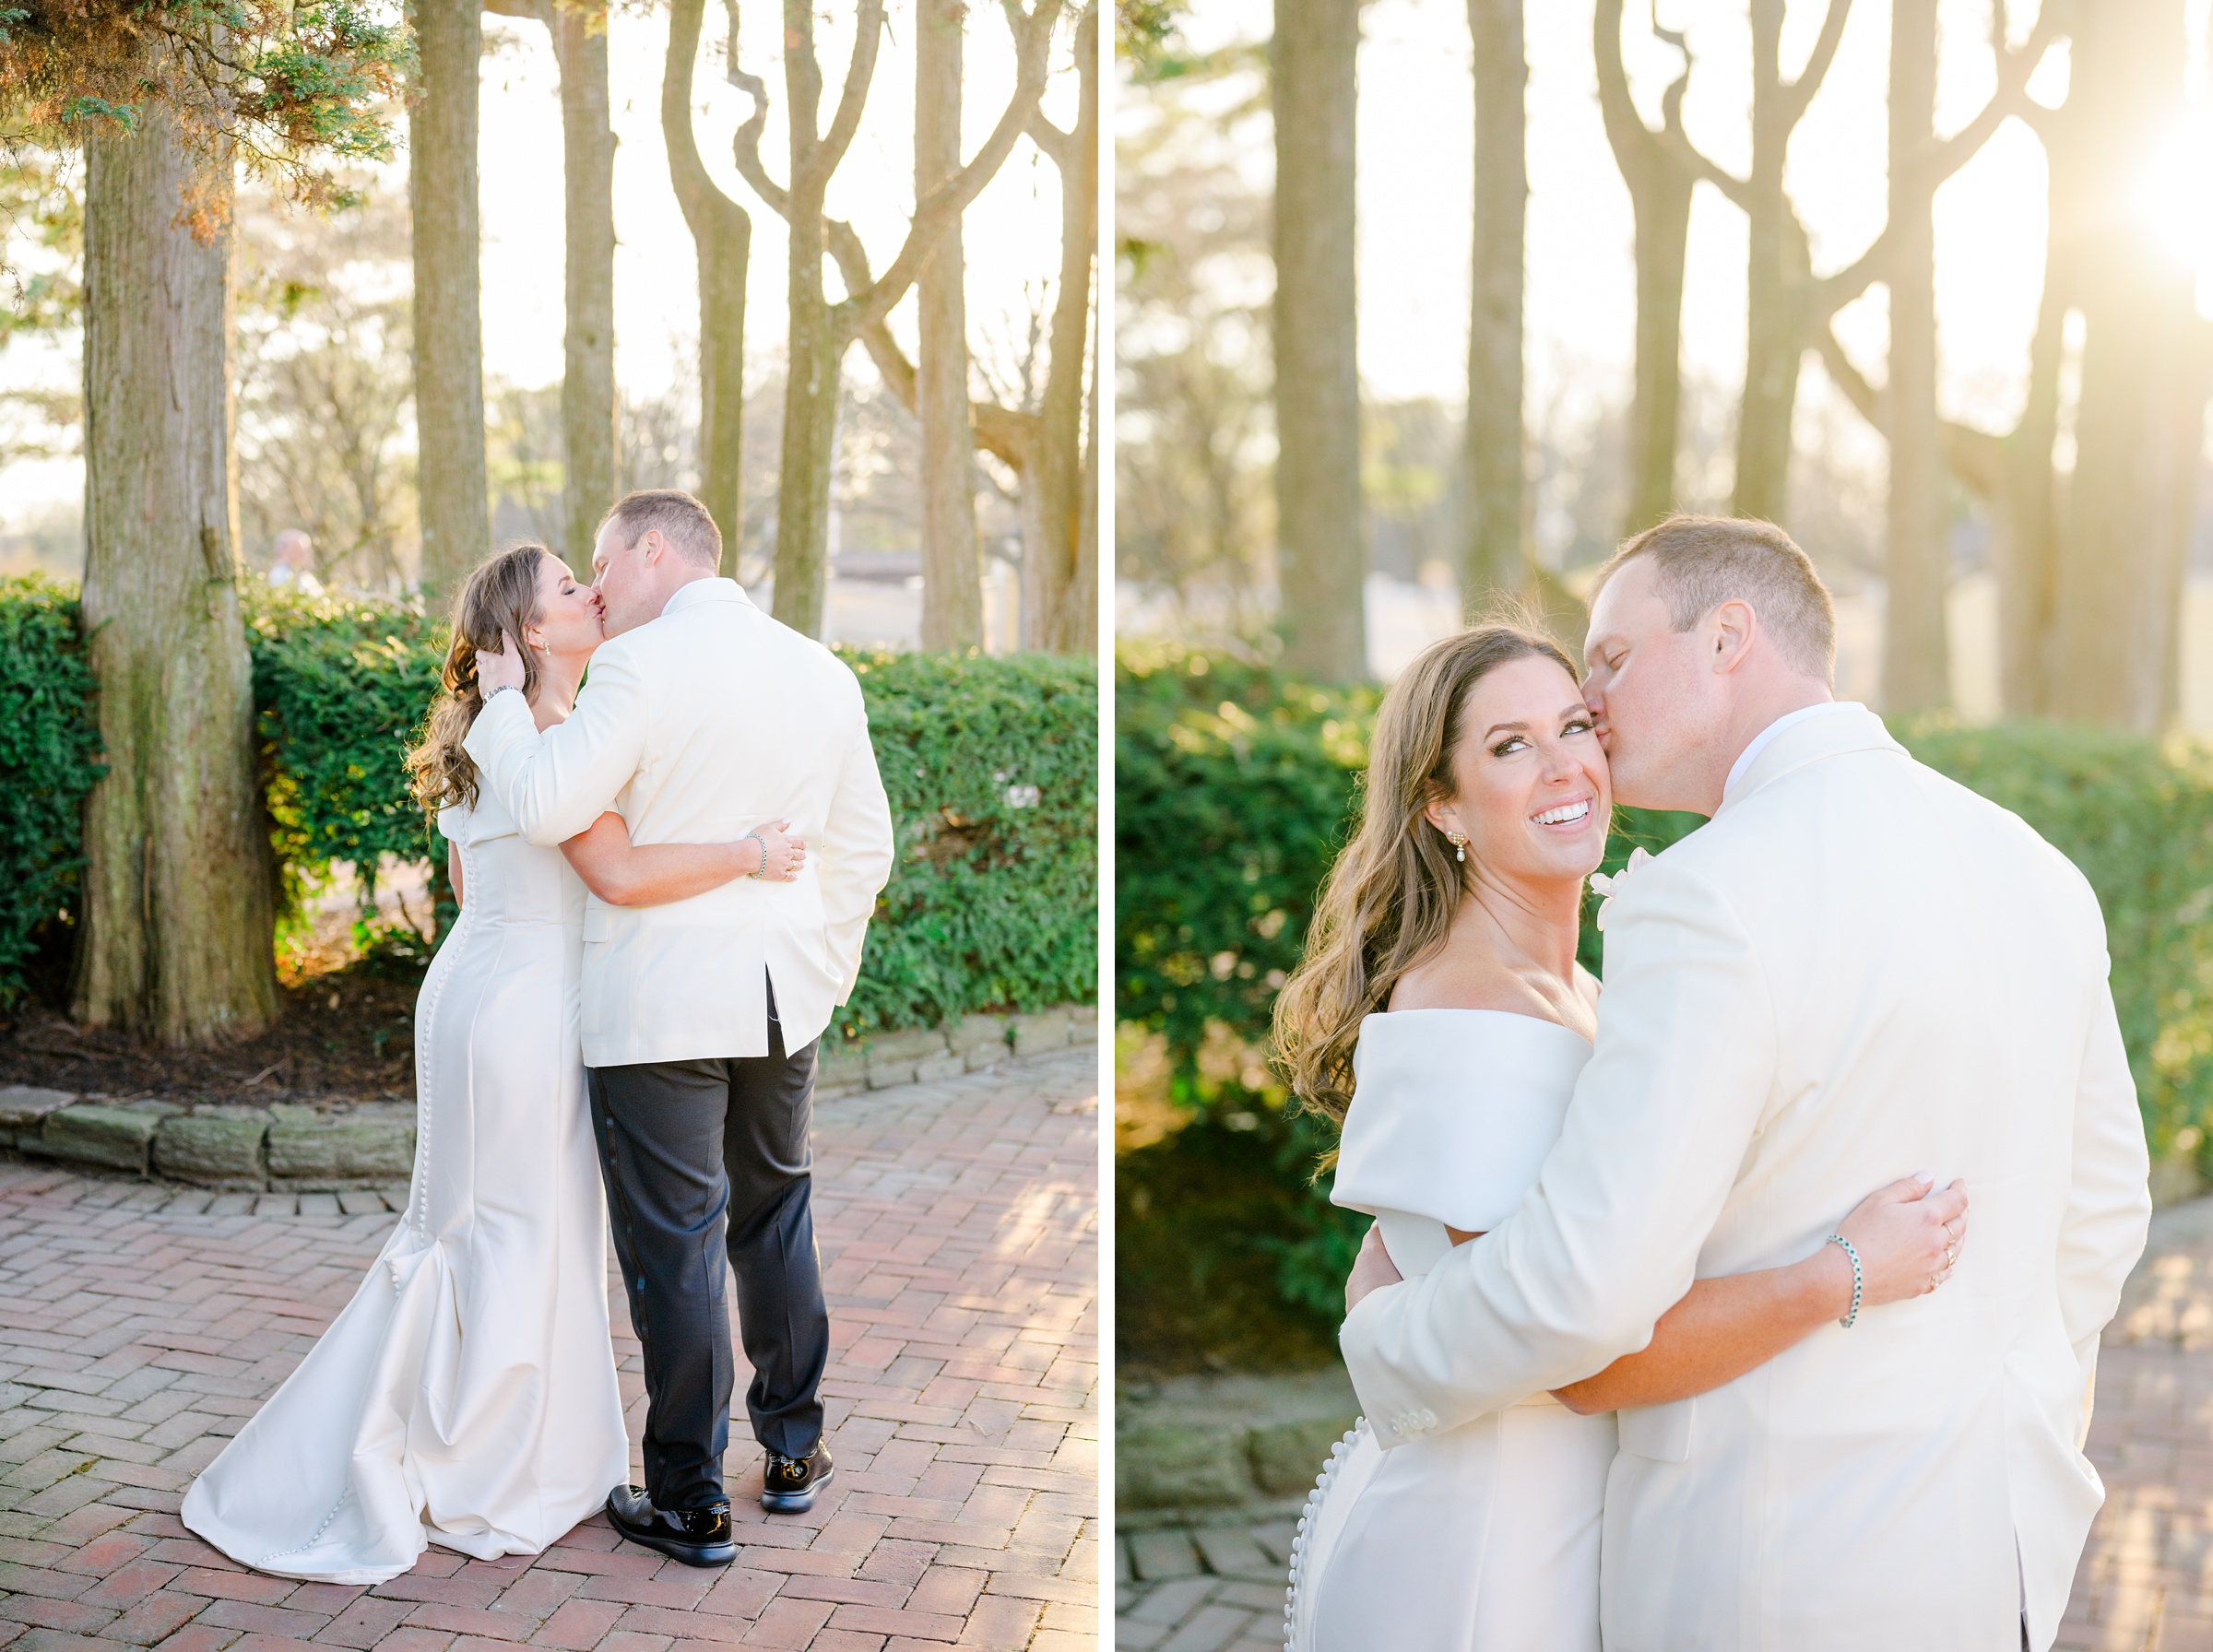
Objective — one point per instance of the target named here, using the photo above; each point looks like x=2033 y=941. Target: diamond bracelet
x=1857 y=1277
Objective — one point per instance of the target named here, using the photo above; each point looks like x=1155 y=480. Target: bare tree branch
x=1863 y=395
x=1976 y=457
x=2015 y=69
x=822 y=159
x=1800 y=92
x=1053 y=143
x=1738 y=190
x=693 y=184
x=1625 y=127
x=745 y=144
x=1831 y=293
x=1002 y=431
x=938 y=209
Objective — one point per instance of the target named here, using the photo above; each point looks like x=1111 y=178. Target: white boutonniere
x=1607 y=888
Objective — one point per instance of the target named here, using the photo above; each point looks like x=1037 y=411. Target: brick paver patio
x=958 y=1225
x=2145 y=1582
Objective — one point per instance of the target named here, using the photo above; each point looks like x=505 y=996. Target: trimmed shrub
x=991 y=766
x=340 y=689
x=49 y=759
x=1235 y=788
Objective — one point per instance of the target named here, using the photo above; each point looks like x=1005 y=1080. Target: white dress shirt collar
x=1761 y=740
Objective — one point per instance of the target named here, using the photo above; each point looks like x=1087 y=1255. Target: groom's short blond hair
x=1702 y=561
x=683 y=521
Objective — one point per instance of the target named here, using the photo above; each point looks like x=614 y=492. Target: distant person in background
x=295 y=568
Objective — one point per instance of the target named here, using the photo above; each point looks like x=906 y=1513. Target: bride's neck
x=1532 y=922
x=558 y=677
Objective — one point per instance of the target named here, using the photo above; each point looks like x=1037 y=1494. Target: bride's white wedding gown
x=467 y=1395
x=1482 y=1537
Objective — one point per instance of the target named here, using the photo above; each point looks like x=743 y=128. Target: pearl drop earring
x=1459 y=845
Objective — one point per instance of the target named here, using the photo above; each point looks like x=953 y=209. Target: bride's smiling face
x=569 y=621
x=1531 y=790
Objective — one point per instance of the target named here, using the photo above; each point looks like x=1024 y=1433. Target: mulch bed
x=344 y=1035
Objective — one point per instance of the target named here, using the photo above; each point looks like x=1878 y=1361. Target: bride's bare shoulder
x=1465 y=983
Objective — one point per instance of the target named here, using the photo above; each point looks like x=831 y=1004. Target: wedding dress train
x=467 y=1395
x=1482 y=1537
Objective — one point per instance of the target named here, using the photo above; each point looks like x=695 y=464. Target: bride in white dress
x=467 y=1395
x=1440 y=1016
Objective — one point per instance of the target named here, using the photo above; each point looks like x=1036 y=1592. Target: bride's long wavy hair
x=1391 y=897
x=501 y=596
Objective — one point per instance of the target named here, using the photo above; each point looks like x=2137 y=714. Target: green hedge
x=1234 y=787
x=991 y=764
x=49 y=759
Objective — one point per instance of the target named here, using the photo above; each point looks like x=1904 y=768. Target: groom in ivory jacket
x=1857 y=970
x=703 y=719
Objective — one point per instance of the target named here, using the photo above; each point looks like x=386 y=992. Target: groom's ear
x=1731 y=631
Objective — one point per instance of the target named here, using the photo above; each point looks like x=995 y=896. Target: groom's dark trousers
x=702 y=1159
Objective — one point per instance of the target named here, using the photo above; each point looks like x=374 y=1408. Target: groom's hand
x=502 y=671
x=1372 y=1269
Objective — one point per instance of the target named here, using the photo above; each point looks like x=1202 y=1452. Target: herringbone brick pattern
x=2145 y=1582
x=958 y=1227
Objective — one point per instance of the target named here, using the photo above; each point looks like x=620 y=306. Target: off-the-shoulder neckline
x=1512 y=1015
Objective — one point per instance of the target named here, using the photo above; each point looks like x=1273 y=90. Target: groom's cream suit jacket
x=1857 y=970
x=698 y=727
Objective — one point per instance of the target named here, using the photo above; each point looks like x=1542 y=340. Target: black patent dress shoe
x=698 y=1537
x=789 y=1484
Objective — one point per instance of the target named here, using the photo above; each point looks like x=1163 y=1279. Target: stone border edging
x=368 y=1147
x=924 y=1054
x=1198 y=1449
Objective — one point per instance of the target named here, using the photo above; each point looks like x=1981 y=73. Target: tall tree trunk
x=811 y=350
x=588 y=381
x=1660 y=174
x=1916 y=655
x=1495 y=561
x=2026 y=543
x=1776 y=280
x=813 y=345
x=953 y=591
x=449 y=331
x=722 y=238
x=1322 y=556
x=1080 y=635
x=1066 y=604
x=2139 y=428
x=177 y=941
